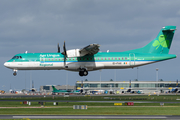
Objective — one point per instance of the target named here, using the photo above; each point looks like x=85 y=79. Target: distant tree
x=160 y=79
x=135 y=79
x=111 y=79
x=86 y=79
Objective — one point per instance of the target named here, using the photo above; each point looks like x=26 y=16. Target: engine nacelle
x=75 y=53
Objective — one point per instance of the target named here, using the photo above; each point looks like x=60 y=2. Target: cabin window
x=62 y=58
x=76 y=58
x=56 y=59
x=91 y=58
x=112 y=58
x=49 y=59
x=108 y=58
x=98 y=58
x=20 y=57
x=73 y=58
x=122 y=58
x=105 y=58
x=42 y=59
x=94 y=58
x=84 y=58
x=69 y=58
x=101 y=58
x=87 y=58
x=125 y=58
x=119 y=58
x=59 y=59
x=52 y=59
x=115 y=58
x=80 y=59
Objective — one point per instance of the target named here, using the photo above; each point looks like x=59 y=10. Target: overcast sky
x=117 y=25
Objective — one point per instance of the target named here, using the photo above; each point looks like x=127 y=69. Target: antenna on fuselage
x=26 y=52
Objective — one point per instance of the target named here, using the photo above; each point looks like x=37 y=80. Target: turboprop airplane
x=58 y=91
x=89 y=58
x=174 y=90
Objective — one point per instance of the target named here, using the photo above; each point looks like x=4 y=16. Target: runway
x=90 y=116
x=89 y=101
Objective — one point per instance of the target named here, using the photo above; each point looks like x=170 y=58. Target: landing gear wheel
x=85 y=73
x=81 y=73
x=14 y=73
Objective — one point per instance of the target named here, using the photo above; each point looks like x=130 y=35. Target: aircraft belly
x=90 y=66
x=140 y=63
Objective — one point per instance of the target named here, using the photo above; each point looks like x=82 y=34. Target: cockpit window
x=17 y=57
x=14 y=57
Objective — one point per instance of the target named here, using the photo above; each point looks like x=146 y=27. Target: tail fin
x=161 y=44
x=53 y=88
x=177 y=83
x=129 y=83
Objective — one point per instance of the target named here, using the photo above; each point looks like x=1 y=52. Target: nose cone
x=6 y=64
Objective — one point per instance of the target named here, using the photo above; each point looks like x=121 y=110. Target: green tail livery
x=58 y=91
x=89 y=58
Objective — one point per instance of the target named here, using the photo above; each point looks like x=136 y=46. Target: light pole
x=157 y=81
x=100 y=79
x=25 y=80
x=66 y=79
x=137 y=73
x=114 y=78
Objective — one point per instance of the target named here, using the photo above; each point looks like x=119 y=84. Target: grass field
x=93 y=111
x=61 y=104
x=94 y=108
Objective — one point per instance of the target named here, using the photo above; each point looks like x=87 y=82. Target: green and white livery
x=89 y=58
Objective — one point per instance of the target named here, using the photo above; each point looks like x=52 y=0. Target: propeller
x=64 y=53
x=58 y=48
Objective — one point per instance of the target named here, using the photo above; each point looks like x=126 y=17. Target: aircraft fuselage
x=55 y=61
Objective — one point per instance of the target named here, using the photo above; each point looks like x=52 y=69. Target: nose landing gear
x=15 y=72
x=83 y=72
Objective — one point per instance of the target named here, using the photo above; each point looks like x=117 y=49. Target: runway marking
x=92 y=117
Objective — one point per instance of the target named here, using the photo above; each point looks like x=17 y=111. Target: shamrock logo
x=161 y=42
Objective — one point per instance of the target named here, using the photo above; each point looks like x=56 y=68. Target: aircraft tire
x=81 y=73
x=85 y=73
x=14 y=73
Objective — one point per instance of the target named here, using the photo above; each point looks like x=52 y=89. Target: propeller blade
x=58 y=48
x=64 y=53
x=64 y=47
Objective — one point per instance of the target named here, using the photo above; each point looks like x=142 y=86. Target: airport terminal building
x=146 y=86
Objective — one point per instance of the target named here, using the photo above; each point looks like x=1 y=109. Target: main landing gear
x=83 y=72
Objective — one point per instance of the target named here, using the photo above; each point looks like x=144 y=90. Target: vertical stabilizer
x=130 y=84
x=177 y=83
x=54 y=88
x=161 y=44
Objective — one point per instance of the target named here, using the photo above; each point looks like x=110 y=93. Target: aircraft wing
x=90 y=49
